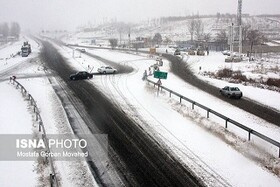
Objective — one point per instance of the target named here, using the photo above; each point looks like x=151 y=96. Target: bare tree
x=255 y=37
x=199 y=28
x=245 y=29
x=4 y=29
x=207 y=37
x=157 y=38
x=191 y=27
x=15 y=29
x=167 y=40
x=218 y=15
x=113 y=42
x=222 y=38
x=122 y=28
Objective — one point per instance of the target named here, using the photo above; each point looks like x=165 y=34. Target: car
x=83 y=50
x=231 y=92
x=226 y=52
x=106 y=69
x=81 y=75
x=229 y=59
x=177 y=52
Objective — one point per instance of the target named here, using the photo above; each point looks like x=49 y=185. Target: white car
x=106 y=69
x=226 y=52
x=231 y=92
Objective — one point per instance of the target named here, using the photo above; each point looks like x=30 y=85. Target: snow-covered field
x=255 y=70
x=218 y=156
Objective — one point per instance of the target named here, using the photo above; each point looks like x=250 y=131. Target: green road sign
x=160 y=75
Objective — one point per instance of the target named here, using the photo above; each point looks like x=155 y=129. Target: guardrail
x=227 y=119
x=208 y=110
x=53 y=178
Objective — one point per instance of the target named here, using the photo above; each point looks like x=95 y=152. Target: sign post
x=160 y=75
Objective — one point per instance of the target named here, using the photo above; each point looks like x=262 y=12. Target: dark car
x=231 y=92
x=177 y=52
x=81 y=75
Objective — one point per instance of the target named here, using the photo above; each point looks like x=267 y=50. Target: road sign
x=160 y=75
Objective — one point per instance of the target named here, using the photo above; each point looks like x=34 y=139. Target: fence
x=53 y=178
x=227 y=119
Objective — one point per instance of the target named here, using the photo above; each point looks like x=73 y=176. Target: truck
x=25 y=49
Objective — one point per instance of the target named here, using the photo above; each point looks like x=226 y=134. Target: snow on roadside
x=215 y=61
x=30 y=73
x=8 y=57
x=194 y=145
x=15 y=119
x=55 y=120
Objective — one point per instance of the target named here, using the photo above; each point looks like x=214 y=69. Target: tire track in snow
x=207 y=172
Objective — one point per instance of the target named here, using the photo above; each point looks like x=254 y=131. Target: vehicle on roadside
x=226 y=52
x=106 y=70
x=25 y=49
x=177 y=52
x=81 y=75
x=200 y=52
x=231 y=92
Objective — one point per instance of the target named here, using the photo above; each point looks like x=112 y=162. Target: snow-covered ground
x=17 y=118
x=254 y=70
x=220 y=157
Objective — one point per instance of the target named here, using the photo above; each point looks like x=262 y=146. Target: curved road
x=182 y=70
x=148 y=162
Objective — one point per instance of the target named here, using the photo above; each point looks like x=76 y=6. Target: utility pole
x=231 y=38
x=239 y=13
x=239 y=24
x=129 y=39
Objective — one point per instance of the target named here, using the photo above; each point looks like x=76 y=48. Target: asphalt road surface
x=182 y=70
x=148 y=163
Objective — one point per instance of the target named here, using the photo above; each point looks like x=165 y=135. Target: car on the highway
x=81 y=75
x=231 y=92
x=83 y=50
x=106 y=70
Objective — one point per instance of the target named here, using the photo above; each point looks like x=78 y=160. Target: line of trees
x=10 y=30
x=195 y=27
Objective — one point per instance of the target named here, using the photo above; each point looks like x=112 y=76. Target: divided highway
x=147 y=162
x=182 y=70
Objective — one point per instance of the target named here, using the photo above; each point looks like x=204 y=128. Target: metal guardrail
x=227 y=119
x=53 y=178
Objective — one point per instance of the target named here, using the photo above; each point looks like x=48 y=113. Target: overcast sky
x=68 y=14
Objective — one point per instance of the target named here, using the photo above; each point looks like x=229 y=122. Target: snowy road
x=147 y=161
x=187 y=136
x=133 y=95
